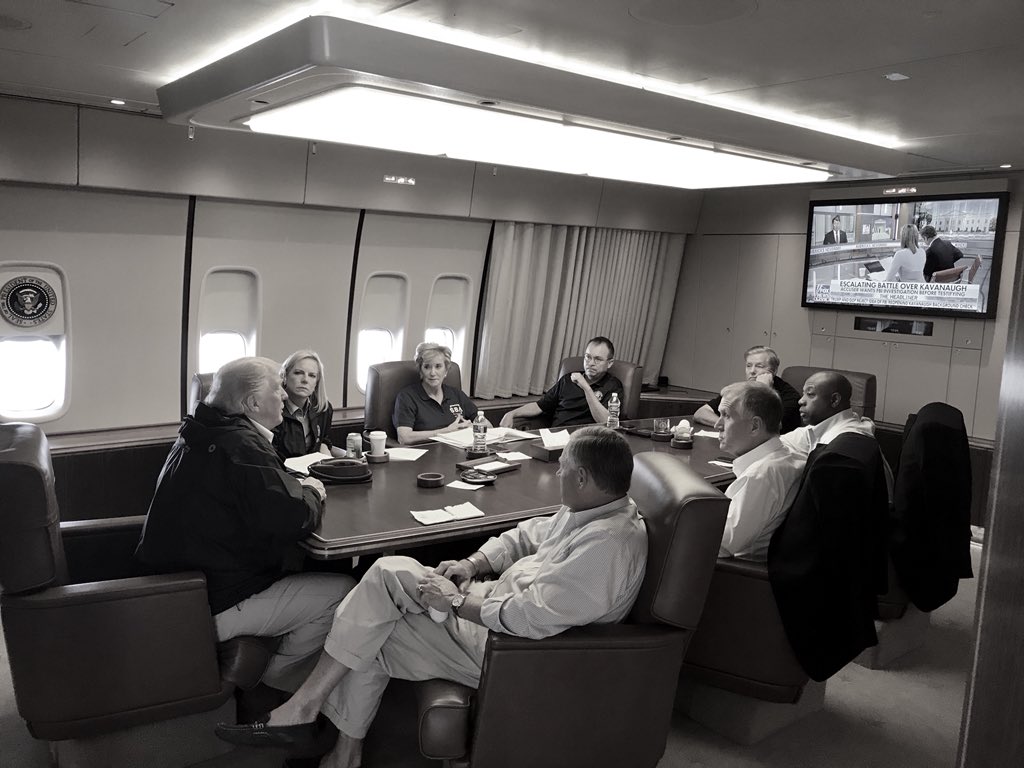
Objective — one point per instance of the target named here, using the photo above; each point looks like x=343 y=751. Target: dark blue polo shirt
x=415 y=408
x=567 y=404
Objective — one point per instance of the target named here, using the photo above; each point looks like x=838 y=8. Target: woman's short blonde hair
x=318 y=400
x=425 y=348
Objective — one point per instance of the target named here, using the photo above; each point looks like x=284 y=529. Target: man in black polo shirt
x=761 y=364
x=577 y=398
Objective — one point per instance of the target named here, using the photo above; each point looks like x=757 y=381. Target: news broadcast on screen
x=919 y=255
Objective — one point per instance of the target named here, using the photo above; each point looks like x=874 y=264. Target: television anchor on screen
x=835 y=235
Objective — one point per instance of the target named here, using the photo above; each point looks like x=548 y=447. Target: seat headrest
x=198 y=390
x=31 y=554
x=864 y=385
x=383 y=383
x=685 y=518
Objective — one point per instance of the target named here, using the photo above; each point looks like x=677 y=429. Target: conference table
x=373 y=517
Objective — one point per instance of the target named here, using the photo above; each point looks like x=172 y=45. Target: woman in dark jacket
x=307 y=412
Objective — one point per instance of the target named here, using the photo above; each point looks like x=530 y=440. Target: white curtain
x=551 y=288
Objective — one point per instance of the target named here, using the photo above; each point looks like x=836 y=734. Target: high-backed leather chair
x=929 y=531
x=384 y=382
x=770 y=629
x=600 y=695
x=630 y=374
x=105 y=667
x=198 y=389
x=865 y=386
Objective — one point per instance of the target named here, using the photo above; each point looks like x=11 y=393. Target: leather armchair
x=384 y=382
x=198 y=389
x=112 y=653
x=865 y=386
x=599 y=695
x=929 y=535
x=630 y=374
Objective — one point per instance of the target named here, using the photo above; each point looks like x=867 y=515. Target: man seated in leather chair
x=767 y=472
x=577 y=398
x=760 y=364
x=226 y=506
x=826 y=413
x=583 y=565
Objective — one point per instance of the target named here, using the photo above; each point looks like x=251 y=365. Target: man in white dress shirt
x=583 y=565
x=767 y=472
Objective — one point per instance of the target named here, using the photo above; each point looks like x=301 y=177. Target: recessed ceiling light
x=896 y=77
x=1006 y=165
x=117 y=102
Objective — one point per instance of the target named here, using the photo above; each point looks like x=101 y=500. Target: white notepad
x=452 y=512
x=405 y=454
x=551 y=439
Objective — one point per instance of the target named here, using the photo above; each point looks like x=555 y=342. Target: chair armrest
x=444 y=718
x=740 y=644
x=617 y=681
x=89 y=650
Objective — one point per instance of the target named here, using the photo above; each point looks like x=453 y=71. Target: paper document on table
x=514 y=456
x=706 y=433
x=302 y=463
x=554 y=439
x=461 y=486
x=405 y=454
x=463 y=438
x=452 y=512
x=491 y=466
x=725 y=464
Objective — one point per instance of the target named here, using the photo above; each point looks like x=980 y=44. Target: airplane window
x=375 y=345
x=220 y=347
x=37 y=386
x=443 y=336
x=451 y=308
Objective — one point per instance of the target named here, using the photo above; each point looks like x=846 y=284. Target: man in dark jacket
x=226 y=506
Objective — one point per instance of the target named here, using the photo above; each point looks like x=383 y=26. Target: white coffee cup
x=378 y=438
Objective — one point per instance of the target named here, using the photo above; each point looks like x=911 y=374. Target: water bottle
x=480 y=433
x=613 y=411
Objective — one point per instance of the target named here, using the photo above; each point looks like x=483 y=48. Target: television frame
x=998 y=245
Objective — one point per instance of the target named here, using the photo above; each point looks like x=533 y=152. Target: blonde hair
x=427 y=347
x=909 y=238
x=318 y=400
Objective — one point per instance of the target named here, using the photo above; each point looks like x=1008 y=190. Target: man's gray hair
x=425 y=348
x=605 y=454
x=773 y=356
x=234 y=382
x=753 y=398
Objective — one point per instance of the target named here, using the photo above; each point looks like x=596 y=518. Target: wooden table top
x=373 y=517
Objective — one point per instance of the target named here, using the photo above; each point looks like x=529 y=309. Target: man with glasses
x=577 y=398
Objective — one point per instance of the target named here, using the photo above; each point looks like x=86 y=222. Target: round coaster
x=661 y=437
x=679 y=443
x=373 y=459
x=430 y=480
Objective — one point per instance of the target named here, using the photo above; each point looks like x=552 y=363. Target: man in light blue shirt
x=583 y=565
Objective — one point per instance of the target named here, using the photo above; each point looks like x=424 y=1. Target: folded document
x=462 y=511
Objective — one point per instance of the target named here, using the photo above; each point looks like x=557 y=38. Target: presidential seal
x=27 y=301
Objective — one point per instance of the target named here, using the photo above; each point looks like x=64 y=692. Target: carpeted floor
x=905 y=717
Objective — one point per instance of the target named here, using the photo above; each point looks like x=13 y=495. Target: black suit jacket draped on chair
x=827 y=560
x=930 y=537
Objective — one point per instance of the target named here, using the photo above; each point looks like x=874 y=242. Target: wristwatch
x=457 y=602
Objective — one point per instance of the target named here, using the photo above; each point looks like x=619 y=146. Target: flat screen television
x=861 y=255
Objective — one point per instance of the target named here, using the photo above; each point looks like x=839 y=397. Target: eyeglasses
x=593 y=359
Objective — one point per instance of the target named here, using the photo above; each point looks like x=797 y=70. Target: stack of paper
x=513 y=456
x=302 y=463
x=706 y=433
x=462 y=511
x=463 y=438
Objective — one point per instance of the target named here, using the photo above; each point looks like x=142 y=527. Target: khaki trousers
x=381 y=631
x=301 y=608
